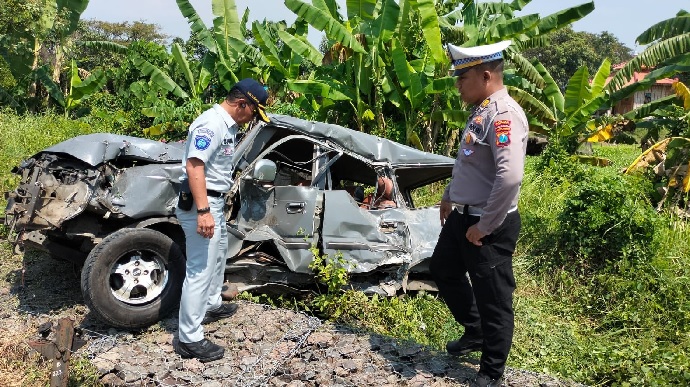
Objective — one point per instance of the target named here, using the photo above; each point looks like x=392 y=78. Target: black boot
x=203 y=350
x=469 y=342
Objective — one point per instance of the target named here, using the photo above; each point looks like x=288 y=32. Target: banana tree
x=56 y=21
x=670 y=157
x=373 y=64
x=491 y=22
x=566 y=118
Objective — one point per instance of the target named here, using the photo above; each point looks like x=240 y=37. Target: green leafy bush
x=606 y=218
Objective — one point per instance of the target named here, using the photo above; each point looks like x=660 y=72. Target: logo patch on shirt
x=502 y=139
x=478 y=120
x=485 y=103
x=467 y=152
x=201 y=142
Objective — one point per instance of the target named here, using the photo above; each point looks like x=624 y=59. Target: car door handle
x=295 y=207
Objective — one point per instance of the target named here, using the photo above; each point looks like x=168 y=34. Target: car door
x=285 y=211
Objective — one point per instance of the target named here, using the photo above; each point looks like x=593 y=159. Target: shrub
x=606 y=218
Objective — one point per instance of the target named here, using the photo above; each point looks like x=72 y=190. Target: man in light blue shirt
x=208 y=174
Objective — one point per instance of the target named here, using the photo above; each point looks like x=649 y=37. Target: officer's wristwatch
x=203 y=210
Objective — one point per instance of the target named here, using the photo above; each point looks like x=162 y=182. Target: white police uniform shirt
x=490 y=164
x=212 y=139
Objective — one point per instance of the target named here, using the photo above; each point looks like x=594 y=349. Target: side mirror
x=264 y=171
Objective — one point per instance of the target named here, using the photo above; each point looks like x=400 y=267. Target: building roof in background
x=638 y=75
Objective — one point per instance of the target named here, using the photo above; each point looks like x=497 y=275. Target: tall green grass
x=22 y=136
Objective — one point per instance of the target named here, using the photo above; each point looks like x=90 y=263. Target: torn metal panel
x=363 y=237
x=147 y=190
x=98 y=148
x=425 y=227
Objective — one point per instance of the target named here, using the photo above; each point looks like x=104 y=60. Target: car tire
x=133 y=278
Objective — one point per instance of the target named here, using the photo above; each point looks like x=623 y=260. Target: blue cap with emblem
x=256 y=94
x=464 y=58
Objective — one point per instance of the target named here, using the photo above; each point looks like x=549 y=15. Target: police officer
x=208 y=174
x=472 y=261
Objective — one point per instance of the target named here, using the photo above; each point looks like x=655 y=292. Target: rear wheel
x=133 y=277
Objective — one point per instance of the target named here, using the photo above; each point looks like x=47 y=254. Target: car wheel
x=133 y=277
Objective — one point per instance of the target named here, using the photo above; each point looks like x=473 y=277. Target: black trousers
x=483 y=306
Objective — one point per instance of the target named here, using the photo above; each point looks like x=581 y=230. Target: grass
x=627 y=323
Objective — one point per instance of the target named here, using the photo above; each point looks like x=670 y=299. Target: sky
x=625 y=19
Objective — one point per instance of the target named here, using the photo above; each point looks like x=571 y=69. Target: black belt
x=214 y=194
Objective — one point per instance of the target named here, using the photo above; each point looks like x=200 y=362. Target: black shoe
x=203 y=350
x=223 y=311
x=466 y=344
x=484 y=381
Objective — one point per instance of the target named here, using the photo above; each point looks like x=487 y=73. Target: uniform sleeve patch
x=201 y=142
x=502 y=133
x=502 y=139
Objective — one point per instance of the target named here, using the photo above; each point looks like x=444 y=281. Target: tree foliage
x=567 y=51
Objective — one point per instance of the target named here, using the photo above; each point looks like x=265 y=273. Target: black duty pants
x=484 y=305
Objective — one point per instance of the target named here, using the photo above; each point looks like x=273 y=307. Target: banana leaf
x=513 y=27
x=651 y=156
x=583 y=114
x=683 y=93
x=440 y=85
x=72 y=9
x=197 y=25
x=329 y=6
x=252 y=53
x=301 y=48
x=494 y=8
x=600 y=77
x=7 y=99
x=46 y=19
x=449 y=20
x=386 y=23
x=665 y=29
x=651 y=57
x=430 y=28
x=80 y=90
x=648 y=109
x=533 y=105
x=577 y=91
x=324 y=22
x=453 y=116
x=552 y=92
x=41 y=75
x=226 y=21
x=19 y=61
x=268 y=46
x=105 y=45
x=527 y=69
x=364 y=9
x=158 y=77
x=183 y=64
x=561 y=19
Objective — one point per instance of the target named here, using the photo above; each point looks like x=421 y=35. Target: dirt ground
x=265 y=346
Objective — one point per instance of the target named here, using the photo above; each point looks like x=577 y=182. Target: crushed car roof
x=97 y=148
x=367 y=145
